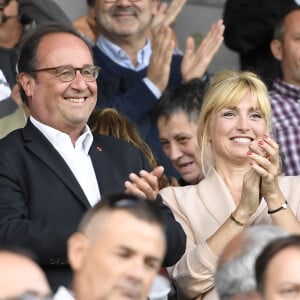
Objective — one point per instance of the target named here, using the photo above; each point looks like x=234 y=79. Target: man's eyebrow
x=153 y=258
x=124 y=248
x=130 y=250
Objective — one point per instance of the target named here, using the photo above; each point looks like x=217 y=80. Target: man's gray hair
x=237 y=275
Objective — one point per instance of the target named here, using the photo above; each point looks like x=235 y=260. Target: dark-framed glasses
x=68 y=73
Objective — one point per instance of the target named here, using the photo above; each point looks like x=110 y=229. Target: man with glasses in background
x=135 y=70
x=16 y=17
x=111 y=261
x=54 y=169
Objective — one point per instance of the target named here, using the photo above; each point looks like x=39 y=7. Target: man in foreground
x=21 y=275
x=112 y=261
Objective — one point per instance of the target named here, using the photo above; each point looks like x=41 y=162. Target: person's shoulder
x=115 y=142
x=11 y=138
x=281 y=88
x=179 y=190
x=118 y=151
x=12 y=145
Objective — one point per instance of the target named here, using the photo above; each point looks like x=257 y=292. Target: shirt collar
x=119 y=56
x=63 y=293
x=289 y=90
x=55 y=136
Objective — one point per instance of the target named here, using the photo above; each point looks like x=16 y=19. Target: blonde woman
x=242 y=186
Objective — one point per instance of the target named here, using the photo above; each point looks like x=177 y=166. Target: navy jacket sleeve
x=125 y=90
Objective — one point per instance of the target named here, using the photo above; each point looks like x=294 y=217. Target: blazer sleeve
x=194 y=272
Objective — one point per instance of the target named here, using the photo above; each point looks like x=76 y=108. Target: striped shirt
x=285 y=102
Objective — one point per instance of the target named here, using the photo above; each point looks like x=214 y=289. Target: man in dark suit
x=55 y=168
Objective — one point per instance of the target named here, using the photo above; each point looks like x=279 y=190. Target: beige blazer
x=201 y=209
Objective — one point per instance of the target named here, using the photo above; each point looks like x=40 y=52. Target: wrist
x=236 y=221
x=278 y=209
x=274 y=201
x=239 y=216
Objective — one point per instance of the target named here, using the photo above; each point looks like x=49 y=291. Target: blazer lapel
x=216 y=196
x=36 y=142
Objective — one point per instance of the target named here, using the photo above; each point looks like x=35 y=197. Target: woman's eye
x=256 y=116
x=228 y=114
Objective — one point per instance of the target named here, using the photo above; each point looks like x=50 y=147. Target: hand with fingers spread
x=196 y=61
x=145 y=184
x=166 y=14
x=160 y=63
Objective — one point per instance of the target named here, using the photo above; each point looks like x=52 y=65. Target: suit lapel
x=102 y=163
x=35 y=142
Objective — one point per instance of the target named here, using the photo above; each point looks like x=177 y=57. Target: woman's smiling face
x=232 y=129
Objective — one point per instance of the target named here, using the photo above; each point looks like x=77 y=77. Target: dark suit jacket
x=41 y=202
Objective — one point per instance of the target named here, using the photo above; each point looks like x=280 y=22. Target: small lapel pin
x=99 y=148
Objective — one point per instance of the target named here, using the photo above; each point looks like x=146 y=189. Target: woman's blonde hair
x=226 y=90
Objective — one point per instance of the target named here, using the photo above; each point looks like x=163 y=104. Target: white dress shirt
x=63 y=293
x=76 y=157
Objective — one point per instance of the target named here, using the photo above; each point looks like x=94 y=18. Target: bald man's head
x=234 y=277
x=20 y=274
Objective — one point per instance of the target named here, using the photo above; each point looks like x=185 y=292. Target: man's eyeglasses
x=68 y=73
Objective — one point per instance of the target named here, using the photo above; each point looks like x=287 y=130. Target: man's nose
x=174 y=152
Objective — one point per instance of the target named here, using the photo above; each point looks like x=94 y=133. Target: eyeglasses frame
x=70 y=66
